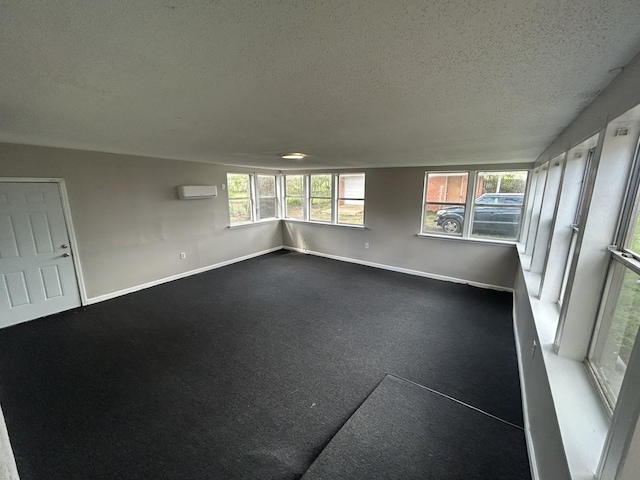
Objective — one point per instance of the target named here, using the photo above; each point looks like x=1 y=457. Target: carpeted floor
x=246 y=371
x=405 y=431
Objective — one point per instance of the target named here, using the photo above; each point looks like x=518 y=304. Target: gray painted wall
x=393 y=211
x=130 y=224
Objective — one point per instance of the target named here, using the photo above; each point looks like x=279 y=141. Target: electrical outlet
x=223 y=186
x=183 y=255
x=366 y=245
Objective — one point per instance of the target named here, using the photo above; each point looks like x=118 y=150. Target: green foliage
x=627 y=315
x=238 y=185
x=294 y=185
x=321 y=185
x=507 y=182
x=635 y=240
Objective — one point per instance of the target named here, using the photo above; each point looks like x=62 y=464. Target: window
x=497 y=209
x=618 y=330
x=331 y=198
x=294 y=197
x=497 y=202
x=444 y=206
x=619 y=317
x=267 y=198
x=320 y=205
x=243 y=188
x=351 y=198
x=578 y=220
x=239 y=189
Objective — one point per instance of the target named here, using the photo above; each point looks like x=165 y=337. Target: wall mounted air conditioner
x=193 y=192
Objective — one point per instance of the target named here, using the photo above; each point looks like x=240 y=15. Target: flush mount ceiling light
x=293 y=156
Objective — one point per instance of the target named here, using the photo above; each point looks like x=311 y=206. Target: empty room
x=320 y=240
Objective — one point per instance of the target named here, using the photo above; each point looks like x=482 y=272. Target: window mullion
x=254 y=204
x=468 y=207
x=334 y=200
x=305 y=197
x=279 y=196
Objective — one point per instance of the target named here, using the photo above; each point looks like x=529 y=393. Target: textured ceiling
x=355 y=83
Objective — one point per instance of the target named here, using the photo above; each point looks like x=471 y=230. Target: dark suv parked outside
x=495 y=214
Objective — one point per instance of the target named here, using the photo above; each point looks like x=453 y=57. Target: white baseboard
x=535 y=475
x=408 y=271
x=136 y=288
x=8 y=469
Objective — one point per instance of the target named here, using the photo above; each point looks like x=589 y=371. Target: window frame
x=578 y=223
x=249 y=199
x=302 y=197
x=254 y=199
x=425 y=202
x=622 y=260
x=330 y=198
x=334 y=198
x=259 y=197
x=338 y=198
x=469 y=205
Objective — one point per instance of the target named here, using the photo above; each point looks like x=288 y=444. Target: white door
x=37 y=274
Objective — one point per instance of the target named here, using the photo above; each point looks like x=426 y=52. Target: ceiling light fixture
x=293 y=156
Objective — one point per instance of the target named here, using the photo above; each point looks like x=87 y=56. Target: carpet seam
x=457 y=401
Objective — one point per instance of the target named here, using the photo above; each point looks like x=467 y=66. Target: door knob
x=64 y=245
x=66 y=254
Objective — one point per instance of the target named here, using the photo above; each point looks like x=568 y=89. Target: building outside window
x=445 y=198
x=496 y=207
x=498 y=204
x=351 y=198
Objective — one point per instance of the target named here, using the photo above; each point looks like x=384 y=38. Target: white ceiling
x=354 y=83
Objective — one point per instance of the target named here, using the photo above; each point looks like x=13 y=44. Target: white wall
x=545 y=441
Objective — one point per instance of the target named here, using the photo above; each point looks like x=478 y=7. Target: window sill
x=581 y=417
x=486 y=241
x=346 y=225
x=250 y=224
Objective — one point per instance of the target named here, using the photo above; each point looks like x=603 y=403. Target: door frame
x=66 y=211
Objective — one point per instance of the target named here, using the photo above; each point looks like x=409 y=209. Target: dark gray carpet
x=405 y=431
x=246 y=371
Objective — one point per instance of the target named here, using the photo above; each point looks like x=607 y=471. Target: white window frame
x=334 y=198
x=338 y=198
x=469 y=205
x=330 y=198
x=464 y=204
x=622 y=260
x=275 y=196
x=302 y=196
x=578 y=222
x=254 y=201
